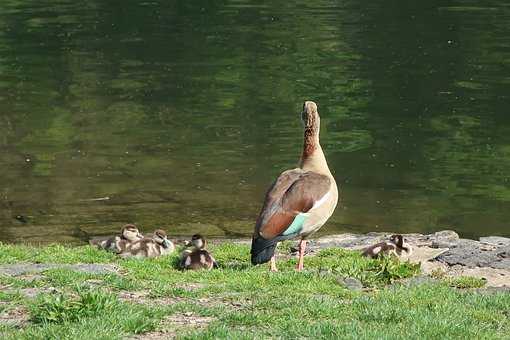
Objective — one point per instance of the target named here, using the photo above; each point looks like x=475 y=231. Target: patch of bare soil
x=189 y=319
x=31 y=277
x=191 y=286
x=156 y=335
x=142 y=297
x=17 y=316
x=31 y=292
x=176 y=323
x=134 y=297
x=493 y=277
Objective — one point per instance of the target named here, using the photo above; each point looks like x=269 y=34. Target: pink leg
x=302 y=247
x=273 y=264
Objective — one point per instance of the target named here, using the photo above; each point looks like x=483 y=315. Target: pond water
x=179 y=114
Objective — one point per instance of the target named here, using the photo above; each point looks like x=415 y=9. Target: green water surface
x=179 y=114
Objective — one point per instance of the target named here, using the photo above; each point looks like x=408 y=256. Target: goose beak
x=166 y=243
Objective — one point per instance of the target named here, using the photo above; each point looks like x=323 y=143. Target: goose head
x=310 y=116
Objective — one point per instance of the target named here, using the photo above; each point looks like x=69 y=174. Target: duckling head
x=130 y=232
x=401 y=244
x=198 y=241
x=160 y=237
x=397 y=239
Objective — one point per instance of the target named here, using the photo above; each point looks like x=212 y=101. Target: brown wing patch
x=293 y=192
x=277 y=222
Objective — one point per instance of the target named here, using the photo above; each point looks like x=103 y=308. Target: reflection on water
x=179 y=114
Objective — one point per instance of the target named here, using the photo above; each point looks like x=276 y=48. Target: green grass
x=61 y=308
x=53 y=254
x=243 y=301
x=465 y=282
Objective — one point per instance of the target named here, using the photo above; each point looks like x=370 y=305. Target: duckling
x=198 y=257
x=156 y=246
x=395 y=246
x=403 y=248
x=128 y=234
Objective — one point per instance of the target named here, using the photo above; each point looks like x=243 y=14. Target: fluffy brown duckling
x=158 y=245
x=396 y=246
x=128 y=234
x=197 y=257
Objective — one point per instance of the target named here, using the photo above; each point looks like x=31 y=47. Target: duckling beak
x=139 y=235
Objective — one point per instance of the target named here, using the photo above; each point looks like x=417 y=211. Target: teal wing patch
x=296 y=225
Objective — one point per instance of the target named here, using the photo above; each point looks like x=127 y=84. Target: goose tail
x=262 y=250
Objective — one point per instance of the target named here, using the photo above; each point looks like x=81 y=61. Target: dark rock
x=325 y=272
x=442 y=244
x=351 y=283
x=504 y=252
x=349 y=241
x=445 y=237
x=496 y=240
x=501 y=264
x=472 y=254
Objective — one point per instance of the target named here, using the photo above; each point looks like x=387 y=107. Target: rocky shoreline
x=443 y=253
x=439 y=254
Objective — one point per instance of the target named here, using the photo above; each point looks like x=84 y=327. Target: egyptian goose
x=198 y=257
x=396 y=246
x=156 y=246
x=300 y=201
x=128 y=234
